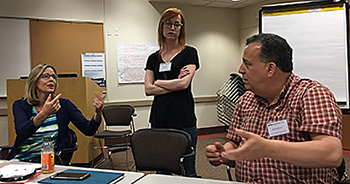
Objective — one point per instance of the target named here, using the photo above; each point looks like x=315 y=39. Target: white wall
x=215 y=37
x=3 y=123
x=70 y=10
x=3 y=130
x=218 y=34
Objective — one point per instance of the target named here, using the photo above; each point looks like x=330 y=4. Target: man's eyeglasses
x=47 y=76
x=169 y=24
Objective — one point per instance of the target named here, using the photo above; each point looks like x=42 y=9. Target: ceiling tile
x=200 y=3
x=219 y=4
x=225 y=1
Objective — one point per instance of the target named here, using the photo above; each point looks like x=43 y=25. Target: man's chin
x=247 y=87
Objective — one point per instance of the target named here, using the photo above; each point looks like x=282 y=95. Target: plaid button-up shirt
x=307 y=106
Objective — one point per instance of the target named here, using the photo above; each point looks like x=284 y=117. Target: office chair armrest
x=4 y=148
x=191 y=154
x=119 y=145
x=228 y=169
x=343 y=182
x=232 y=164
x=67 y=150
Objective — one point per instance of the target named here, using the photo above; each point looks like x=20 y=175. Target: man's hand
x=253 y=147
x=213 y=153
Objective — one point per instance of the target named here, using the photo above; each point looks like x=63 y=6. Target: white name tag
x=164 y=67
x=278 y=128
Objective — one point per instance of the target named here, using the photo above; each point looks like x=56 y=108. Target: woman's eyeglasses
x=169 y=24
x=47 y=76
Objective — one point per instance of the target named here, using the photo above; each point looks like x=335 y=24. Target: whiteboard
x=318 y=34
x=14 y=50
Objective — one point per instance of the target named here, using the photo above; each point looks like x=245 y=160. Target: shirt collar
x=292 y=79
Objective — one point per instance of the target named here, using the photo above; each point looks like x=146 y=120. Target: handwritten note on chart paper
x=132 y=58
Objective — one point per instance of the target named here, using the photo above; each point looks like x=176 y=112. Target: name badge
x=278 y=128
x=165 y=67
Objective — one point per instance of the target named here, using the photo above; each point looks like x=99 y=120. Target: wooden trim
x=134 y=103
x=205 y=99
x=212 y=130
x=146 y=103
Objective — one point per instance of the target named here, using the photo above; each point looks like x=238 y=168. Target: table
x=129 y=177
x=168 y=179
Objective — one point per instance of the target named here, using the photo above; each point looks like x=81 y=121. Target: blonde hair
x=30 y=95
x=167 y=15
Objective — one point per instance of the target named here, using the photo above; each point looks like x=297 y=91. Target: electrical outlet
x=116 y=32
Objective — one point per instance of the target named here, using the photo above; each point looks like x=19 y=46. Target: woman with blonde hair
x=169 y=73
x=40 y=113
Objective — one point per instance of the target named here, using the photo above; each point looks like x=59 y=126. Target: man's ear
x=271 y=68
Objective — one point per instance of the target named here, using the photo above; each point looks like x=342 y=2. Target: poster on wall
x=93 y=66
x=132 y=58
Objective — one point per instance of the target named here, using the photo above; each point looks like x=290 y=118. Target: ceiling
x=218 y=3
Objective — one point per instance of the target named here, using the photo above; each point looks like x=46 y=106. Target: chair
x=4 y=150
x=161 y=150
x=343 y=177
x=65 y=155
x=116 y=116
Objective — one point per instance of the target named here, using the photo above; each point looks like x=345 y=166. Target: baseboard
x=212 y=130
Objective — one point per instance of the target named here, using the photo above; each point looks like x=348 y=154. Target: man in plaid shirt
x=284 y=129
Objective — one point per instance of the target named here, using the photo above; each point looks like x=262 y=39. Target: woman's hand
x=51 y=106
x=184 y=72
x=98 y=104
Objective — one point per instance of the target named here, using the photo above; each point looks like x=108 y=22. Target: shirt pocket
x=294 y=122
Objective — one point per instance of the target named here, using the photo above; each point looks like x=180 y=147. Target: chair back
x=118 y=115
x=65 y=155
x=160 y=149
x=73 y=139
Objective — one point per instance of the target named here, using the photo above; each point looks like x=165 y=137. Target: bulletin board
x=318 y=32
x=61 y=43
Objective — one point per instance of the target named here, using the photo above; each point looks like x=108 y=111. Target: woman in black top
x=169 y=73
